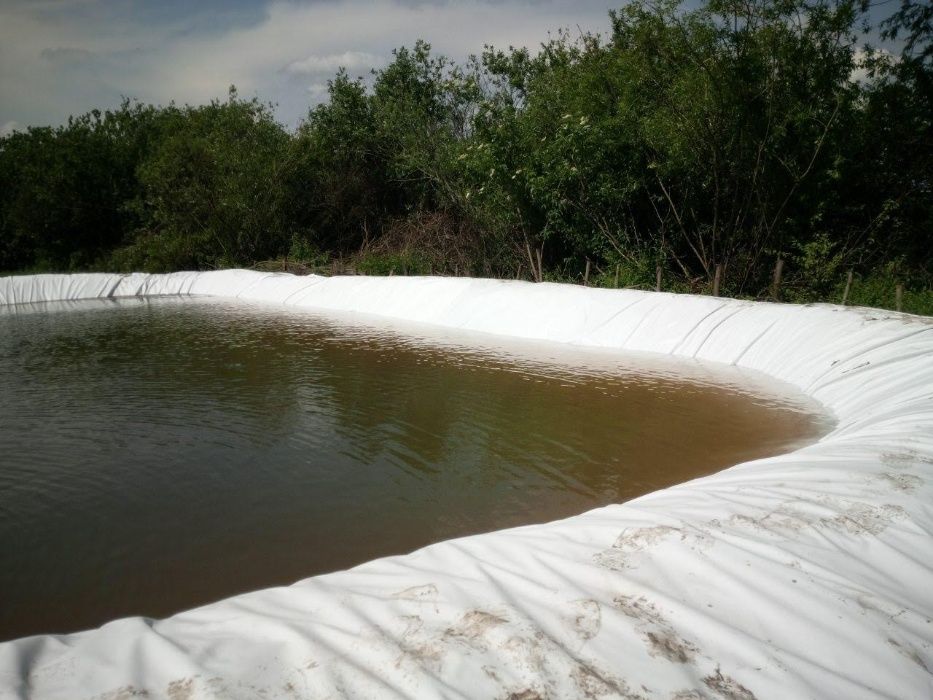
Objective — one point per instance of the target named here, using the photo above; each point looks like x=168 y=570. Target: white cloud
x=50 y=67
x=8 y=128
x=351 y=60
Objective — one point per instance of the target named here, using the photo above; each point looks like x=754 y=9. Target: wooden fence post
x=617 y=276
x=717 y=277
x=657 y=278
x=845 y=292
x=541 y=263
x=899 y=296
x=531 y=261
x=776 y=280
x=586 y=274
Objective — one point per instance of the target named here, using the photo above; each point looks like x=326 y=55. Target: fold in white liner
x=809 y=574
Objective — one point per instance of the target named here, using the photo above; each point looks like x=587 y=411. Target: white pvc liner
x=809 y=574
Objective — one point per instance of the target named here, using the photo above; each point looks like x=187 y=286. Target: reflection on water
x=155 y=455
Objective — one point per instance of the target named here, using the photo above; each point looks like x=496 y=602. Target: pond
x=159 y=454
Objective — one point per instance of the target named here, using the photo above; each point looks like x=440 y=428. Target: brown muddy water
x=160 y=454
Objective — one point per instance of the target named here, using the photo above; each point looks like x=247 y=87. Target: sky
x=62 y=57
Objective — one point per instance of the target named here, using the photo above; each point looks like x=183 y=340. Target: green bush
x=307 y=253
x=392 y=263
x=878 y=290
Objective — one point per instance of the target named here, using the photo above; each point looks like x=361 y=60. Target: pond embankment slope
x=809 y=574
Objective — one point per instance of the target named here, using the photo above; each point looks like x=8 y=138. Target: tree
x=210 y=188
x=63 y=191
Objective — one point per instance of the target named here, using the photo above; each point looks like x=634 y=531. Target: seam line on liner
x=722 y=306
x=312 y=282
x=712 y=330
x=624 y=343
x=253 y=284
x=116 y=284
x=618 y=313
x=753 y=342
x=686 y=336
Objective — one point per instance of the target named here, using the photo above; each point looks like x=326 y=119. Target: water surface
x=159 y=454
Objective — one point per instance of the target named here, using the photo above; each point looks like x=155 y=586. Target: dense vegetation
x=685 y=141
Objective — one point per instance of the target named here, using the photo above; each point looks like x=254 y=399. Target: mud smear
x=162 y=454
x=660 y=636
